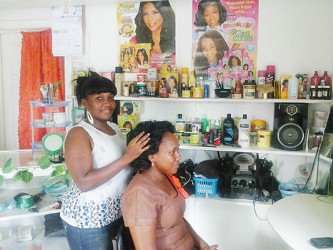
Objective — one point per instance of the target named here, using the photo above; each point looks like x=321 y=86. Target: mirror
x=53 y=144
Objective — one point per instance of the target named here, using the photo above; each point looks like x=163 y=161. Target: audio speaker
x=290 y=123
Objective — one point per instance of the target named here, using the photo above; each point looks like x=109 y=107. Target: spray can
x=118 y=80
x=270 y=78
x=261 y=80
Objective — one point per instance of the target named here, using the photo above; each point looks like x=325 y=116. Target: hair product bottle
x=270 y=77
x=244 y=132
x=261 y=80
x=118 y=80
x=293 y=87
x=228 y=131
x=180 y=124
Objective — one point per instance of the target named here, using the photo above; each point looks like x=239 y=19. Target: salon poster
x=142 y=23
x=225 y=37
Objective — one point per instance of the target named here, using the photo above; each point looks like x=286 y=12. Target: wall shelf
x=253 y=149
x=220 y=100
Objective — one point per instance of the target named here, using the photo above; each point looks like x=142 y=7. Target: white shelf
x=39 y=103
x=35 y=124
x=258 y=150
x=220 y=100
x=39 y=241
x=7 y=196
x=327 y=159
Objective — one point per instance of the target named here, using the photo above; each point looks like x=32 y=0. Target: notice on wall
x=142 y=23
x=67 y=30
x=231 y=28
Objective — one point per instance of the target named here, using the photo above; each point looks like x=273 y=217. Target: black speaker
x=290 y=123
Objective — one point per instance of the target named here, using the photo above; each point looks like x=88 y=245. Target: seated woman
x=152 y=206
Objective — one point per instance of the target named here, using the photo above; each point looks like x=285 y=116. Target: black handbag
x=185 y=175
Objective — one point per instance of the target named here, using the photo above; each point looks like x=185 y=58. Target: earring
x=90 y=118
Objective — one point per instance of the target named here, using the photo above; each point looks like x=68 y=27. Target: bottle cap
x=184 y=70
x=261 y=73
x=180 y=116
x=119 y=70
x=270 y=68
x=244 y=116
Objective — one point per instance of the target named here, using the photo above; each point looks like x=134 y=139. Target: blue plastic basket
x=205 y=187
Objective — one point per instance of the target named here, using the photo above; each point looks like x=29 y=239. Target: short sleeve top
x=100 y=206
x=144 y=204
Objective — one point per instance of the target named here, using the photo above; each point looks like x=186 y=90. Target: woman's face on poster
x=211 y=15
x=152 y=17
x=172 y=83
x=209 y=50
x=140 y=56
x=234 y=62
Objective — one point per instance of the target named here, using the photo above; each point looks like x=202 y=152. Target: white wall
x=294 y=35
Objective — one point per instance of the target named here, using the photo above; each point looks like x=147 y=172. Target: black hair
x=144 y=53
x=156 y=129
x=143 y=34
x=199 y=19
x=234 y=57
x=168 y=88
x=92 y=83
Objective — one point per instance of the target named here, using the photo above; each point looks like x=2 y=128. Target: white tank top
x=101 y=206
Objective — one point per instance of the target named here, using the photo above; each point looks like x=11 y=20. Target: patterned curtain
x=38 y=66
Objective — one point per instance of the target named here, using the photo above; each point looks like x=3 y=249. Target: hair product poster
x=146 y=25
x=225 y=37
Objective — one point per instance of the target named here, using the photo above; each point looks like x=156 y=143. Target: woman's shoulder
x=78 y=129
x=140 y=182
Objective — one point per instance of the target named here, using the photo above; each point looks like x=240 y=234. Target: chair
x=123 y=239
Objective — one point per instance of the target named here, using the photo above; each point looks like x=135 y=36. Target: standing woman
x=97 y=159
x=155 y=24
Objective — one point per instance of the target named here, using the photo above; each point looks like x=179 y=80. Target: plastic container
x=228 y=131
x=288 y=189
x=180 y=124
x=244 y=132
x=205 y=187
x=293 y=87
x=141 y=89
x=270 y=77
x=118 y=80
x=264 y=139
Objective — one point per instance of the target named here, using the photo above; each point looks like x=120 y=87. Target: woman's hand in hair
x=137 y=146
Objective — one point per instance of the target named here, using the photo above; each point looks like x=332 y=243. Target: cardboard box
x=171 y=80
x=284 y=80
x=303 y=86
x=130 y=108
x=128 y=121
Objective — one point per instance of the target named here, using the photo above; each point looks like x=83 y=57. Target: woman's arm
x=199 y=243
x=144 y=237
x=79 y=160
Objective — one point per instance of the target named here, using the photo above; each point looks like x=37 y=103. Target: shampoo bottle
x=244 y=132
x=228 y=130
x=180 y=124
